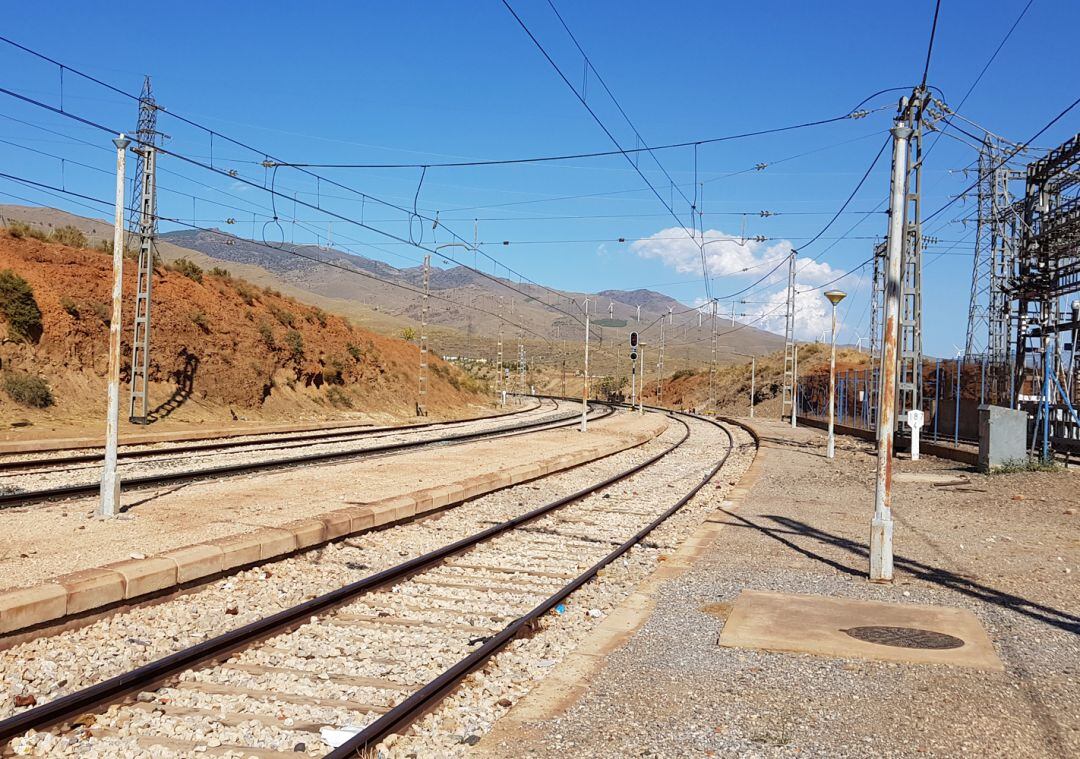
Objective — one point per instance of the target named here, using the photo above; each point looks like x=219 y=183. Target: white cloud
x=726 y=256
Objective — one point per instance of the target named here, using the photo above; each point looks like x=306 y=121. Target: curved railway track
x=22 y=463
x=265 y=689
x=20 y=497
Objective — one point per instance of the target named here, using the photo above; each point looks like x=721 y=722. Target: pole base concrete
x=881 y=549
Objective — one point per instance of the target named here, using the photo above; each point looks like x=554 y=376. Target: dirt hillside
x=687 y=389
x=222 y=348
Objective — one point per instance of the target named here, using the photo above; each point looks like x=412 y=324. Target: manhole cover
x=904 y=637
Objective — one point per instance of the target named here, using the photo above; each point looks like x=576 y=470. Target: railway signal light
x=633 y=340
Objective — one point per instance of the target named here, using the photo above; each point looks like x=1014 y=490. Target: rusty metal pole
x=881 y=526
x=110 y=481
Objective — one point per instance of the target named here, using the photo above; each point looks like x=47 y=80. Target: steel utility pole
x=909 y=378
x=421 y=397
x=110 y=480
x=712 y=363
x=787 y=399
x=795 y=387
x=834 y=296
x=881 y=525
x=585 y=385
x=145 y=191
x=521 y=360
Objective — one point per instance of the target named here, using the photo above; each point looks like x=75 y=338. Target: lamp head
x=835 y=296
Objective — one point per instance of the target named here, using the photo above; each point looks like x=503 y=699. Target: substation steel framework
x=145 y=225
x=989 y=322
x=1045 y=283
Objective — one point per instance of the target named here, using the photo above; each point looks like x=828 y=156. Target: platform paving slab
x=820 y=625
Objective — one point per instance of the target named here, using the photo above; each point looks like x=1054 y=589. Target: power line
x=591 y=154
x=930 y=46
x=47 y=187
x=607 y=131
x=1005 y=160
x=275 y=193
x=268 y=158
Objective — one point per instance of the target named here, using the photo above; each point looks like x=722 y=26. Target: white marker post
x=915 y=422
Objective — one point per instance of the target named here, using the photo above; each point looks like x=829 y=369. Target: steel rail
x=422 y=700
x=68 y=491
x=96 y=697
x=327 y=435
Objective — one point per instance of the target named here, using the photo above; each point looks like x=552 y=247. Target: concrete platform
x=651 y=680
x=828 y=626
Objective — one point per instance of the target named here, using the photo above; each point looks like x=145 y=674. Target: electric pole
x=881 y=526
x=145 y=191
x=110 y=480
x=421 y=397
x=712 y=363
x=585 y=385
x=787 y=401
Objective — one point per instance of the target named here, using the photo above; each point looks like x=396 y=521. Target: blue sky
x=429 y=82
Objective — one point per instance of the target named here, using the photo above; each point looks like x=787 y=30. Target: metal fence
x=951 y=390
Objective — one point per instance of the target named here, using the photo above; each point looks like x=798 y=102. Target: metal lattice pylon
x=909 y=377
x=145 y=192
x=787 y=399
x=995 y=254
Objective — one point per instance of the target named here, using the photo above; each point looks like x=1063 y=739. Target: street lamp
x=834 y=296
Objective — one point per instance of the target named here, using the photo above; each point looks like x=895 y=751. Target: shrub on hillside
x=283 y=316
x=266 y=332
x=188 y=268
x=355 y=352
x=246 y=294
x=217 y=271
x=19 y=230
x=199 y=320
x=18 y=307
x=295 y=342
x=69 y=235
x=70 y=306
x=27 y=389
x=338 y=397
x=105 y=246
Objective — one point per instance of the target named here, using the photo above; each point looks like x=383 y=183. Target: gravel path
x=1004 y=547
x=475 y=591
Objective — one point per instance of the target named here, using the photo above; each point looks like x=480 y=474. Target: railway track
x=16 y=497
x=376 y=653
x=24 y=463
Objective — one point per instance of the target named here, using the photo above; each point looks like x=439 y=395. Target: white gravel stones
x=405 y=635
x=261 y=450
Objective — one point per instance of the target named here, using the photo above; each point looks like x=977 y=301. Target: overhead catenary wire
x=267 y=156
x=341 y=217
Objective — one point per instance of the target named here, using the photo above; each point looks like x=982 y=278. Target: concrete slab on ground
x=829 y=626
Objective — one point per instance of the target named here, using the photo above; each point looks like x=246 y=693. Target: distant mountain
x=463 y=306
x=649 y=300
